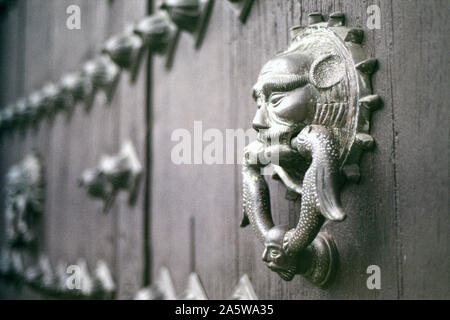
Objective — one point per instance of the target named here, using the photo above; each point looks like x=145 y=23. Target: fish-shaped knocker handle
x=303 y=249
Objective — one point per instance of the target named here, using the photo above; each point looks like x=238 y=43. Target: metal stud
x=156 y=31
x=126 y=50
x=194 y=289
x=104 y=75
x=355 y=35
x=337 y=19
x=242 y=7
x=114 y=173
x=364 y=140
x=244 y=290
x=103 y=281
x=371 y=102
x=368 y=66
x=190 y=15
x=315 y=17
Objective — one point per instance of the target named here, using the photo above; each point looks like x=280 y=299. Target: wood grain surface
x=397 y=214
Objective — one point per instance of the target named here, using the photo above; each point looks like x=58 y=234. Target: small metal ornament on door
x=242 y=7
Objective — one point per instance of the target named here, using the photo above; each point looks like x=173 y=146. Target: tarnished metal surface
x=314 y=102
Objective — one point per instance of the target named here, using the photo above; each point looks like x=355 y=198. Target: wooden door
x=187 y=216
x=400 y=206
x=37 y=48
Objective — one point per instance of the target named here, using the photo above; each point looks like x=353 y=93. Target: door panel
x=75 y=226
x=187 y=216
x=213 y=85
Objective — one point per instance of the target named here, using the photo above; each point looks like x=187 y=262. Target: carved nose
x=265 y=255
x=260 y=120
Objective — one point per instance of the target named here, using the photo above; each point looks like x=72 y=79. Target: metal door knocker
x=314 y=105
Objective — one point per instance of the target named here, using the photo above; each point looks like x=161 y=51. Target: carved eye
x=275 y=254
x=276 y=97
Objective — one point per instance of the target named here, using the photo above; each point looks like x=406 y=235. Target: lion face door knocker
x=24 y=202
x=314 y=105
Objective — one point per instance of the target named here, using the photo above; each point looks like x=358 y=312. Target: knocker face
x=285 y=99
x=276 y=257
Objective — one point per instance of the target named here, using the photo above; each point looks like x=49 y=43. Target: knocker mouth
x=286 y=274
x=276 y=267
x=280 y=155
x=273 y=266
x=278 y=134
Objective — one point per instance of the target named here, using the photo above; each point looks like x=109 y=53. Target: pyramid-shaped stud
x=315 y=17
x=165 y=284
x=243 y=8
x=337 y=19
x=48 y=278
x=103 y=280
x=355 y=35
x=86 y=282
x=368 y=66
x=371 y=102
x=61 y=276
x=364 y=140
x=244 y=290
x=194 y=289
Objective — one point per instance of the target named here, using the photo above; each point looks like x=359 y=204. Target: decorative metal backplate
x=314 y=105
x=114 y=173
